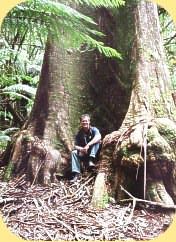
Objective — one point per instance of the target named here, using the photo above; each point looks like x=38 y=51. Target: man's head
x=85 y=121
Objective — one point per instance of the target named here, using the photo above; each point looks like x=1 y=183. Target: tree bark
x=140 y=156
x=47 y=136
x=131 y=96
x=69 y=85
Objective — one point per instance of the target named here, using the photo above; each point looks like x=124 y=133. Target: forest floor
x=63 y=212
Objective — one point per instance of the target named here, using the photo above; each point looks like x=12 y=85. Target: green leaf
x=60 y=10
x=4 y=138
x=102 y=3
x=16 y=88
x=15 y=94
x=10 y=130
x=107 y=51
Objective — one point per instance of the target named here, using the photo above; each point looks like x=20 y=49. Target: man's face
x=85 y=123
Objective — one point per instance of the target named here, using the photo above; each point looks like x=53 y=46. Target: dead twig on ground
x=162 y=205
x=63 y=212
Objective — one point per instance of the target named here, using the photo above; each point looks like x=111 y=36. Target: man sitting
x=87 y=144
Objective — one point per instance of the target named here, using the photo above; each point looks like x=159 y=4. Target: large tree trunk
x=71 y=83
x=141 y=155
x=43 y=146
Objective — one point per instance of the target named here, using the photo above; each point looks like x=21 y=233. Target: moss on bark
x=131 y=154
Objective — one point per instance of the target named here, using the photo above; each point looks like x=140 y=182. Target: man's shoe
x=76 y=177
x=91 y=164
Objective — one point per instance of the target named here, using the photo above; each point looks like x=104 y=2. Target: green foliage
x=5 y=136
x=105 y=200
x=17 y=89
x=63 y=23
x=24 y=33
x=16 y=93
x=21 y=56
x=124 y=151
x=102 y=3
x=107 y=51
x=8 y=172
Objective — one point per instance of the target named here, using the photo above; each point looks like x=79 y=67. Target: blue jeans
x=76 y=158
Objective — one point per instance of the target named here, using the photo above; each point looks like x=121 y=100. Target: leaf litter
x=63 y=211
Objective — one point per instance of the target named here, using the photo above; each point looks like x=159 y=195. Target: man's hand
x=85 y=149
x=82 y=150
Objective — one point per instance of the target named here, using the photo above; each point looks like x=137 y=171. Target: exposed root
x=145 y=154
x=156 y=191
x=100 y=191
x=157 y=204
x=34 y=157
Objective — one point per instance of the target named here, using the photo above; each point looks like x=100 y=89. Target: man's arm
x=96 y=139
x=79 y=148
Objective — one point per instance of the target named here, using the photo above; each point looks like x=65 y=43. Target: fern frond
x=102 y=3
x=64 y=23
x=16 y=95
x=4 y=138
x=5 y=134
x=105 y=50
x=9 y=130
x=20 y=88
x=52 y=8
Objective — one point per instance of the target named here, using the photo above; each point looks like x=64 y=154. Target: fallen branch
x=162 y=205
x=6 y=200
x=41 y=213
x=65 y=225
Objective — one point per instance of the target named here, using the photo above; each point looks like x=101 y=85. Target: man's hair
x=85 y=115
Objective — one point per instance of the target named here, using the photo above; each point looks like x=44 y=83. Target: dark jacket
x=82 y=138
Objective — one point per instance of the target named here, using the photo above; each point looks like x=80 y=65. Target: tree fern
x=19 y=90
x=61 y=20
x=107 y=51
x=5 y=136
x=102 y=3
x=8 y=131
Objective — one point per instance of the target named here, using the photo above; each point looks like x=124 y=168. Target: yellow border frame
x=5 y=234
